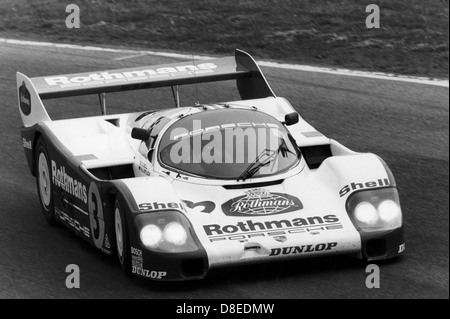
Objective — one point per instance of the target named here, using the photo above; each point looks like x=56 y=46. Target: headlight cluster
x=375 y=210
x=167 y=231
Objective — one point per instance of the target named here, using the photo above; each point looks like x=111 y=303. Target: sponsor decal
x=355 y=186
x=249 y=225
x=153 y=274
x=302 y=249
x=159 y=206
x=137 y=266
x=278 y=229
x=257 y=202
x=24 y=99
x=143 y=168
x=136 y=252
x=137 y=260
x=201 y=207
x=401 y=248
x=67 y=183
x=73 y=223
x=26 y=143
x=132 y=75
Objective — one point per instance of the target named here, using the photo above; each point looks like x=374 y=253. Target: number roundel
x=96 y=215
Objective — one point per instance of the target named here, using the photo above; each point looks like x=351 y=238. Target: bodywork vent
x=315 y=155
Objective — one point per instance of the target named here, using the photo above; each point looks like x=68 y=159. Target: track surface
x=406 y=124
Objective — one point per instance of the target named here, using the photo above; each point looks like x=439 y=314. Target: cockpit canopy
x=228 y=144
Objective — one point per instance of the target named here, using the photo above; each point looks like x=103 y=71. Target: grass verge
x=412 y=39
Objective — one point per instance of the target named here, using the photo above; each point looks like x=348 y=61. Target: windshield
x=228 y=144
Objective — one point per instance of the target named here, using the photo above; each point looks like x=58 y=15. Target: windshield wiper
x=257 y=164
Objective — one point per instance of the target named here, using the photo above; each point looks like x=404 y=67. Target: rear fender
x=79 y=198
x=30 y=136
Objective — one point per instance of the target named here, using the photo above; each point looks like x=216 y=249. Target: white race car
x=177 y=192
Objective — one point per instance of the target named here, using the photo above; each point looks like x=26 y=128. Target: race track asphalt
x=406 y=124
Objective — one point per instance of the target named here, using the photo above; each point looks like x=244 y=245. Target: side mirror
x=140 y=133
x=291 y=119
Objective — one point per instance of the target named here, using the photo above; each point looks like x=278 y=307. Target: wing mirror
x=140 y=133
x=291 y=119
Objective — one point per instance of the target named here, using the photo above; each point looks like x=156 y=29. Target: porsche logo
x=280 y=239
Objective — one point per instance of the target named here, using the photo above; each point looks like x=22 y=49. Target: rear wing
x=250 y=82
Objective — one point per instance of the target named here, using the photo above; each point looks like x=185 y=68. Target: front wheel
x=44 y=183
x=122 y=240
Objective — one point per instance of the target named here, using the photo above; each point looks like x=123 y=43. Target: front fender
x=357 y=171
x=155 y=196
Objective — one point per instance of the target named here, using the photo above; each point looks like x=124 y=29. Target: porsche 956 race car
x=177 y=192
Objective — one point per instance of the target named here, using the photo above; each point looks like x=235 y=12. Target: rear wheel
x=123 y=249
x=44 y=182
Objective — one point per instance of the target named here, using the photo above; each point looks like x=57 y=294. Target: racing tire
x=122 y=241
x=44 y=183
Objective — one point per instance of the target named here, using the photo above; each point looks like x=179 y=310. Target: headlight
x=366 y=213
x=375 y=210
x=389 y=211
x=150 y=235
x=175 y=233
x=165 y=231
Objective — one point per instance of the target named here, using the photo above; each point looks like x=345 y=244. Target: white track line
x=364 y=74
x=137 y=55
x=305 y=68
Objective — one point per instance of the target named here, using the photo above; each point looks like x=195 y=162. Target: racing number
x=96 y=215
x=96 y=227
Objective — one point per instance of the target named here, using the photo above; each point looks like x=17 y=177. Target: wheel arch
x=37 y=136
